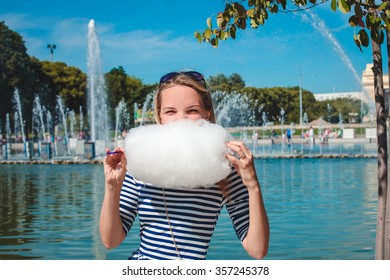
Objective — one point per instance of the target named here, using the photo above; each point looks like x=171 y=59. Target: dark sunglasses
x=196 y=76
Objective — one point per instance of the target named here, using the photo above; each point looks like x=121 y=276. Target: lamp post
x=300 y=99
x=51 y=47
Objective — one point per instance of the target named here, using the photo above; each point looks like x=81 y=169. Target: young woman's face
x=181 y=102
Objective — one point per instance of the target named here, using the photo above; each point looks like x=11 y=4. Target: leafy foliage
x=66 y=81
x=228 y=84
x=121 y=86
x=17 y=70
x=237 y=15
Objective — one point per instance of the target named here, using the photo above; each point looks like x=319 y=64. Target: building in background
x=367 y=94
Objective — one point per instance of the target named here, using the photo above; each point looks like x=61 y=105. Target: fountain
x=135 y=114
x=59 y=150
x=6 y=147
x=319 y=25
x=44 y=145
x=232 y=110
x=38 y=125
x=264 y=126
x=282 y=112
x=72 y=122
x=121 y=121
x=19 y=123
x=81 y=120
x=97 y=97
x=255 y=135
x=147 y=110
x=7 y=128
x=49 y=125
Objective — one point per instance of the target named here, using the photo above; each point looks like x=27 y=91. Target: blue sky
x=150 y=38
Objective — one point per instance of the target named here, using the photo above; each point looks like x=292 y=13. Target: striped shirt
x=193 y=214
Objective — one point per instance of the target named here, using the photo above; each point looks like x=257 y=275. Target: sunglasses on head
x=196 y=76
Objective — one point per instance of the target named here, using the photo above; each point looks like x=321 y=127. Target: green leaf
x=240 y=9
x=333 y=5
x=363 y=38
x=241 y=24
x=358 y=11
x=284 y=4
x=254 y=23
x=274 y=9
x=265 y=14
x=232 y=31
x=219 y=20
x=353 y=21
x=383 y=6
x=344 y=7
x=214 y=42
x=357 y=42
x=222 y=35
x=261 y=19
x=198 y=36
x=250 y=13
x=369 y=20
x=209 y=23
x=208 y=33
x=385 y=18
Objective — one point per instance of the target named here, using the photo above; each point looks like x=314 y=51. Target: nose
x=181 y=116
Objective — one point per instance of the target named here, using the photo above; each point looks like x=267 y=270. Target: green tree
x=372 y=21
x=226 y=84
x=276 y=98
x=17 y=71
x=121 y=86
x=65 y=81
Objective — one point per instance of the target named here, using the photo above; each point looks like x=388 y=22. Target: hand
x=115 y=167
x=244 y=163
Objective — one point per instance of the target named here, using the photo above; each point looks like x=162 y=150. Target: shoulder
x=130 y=182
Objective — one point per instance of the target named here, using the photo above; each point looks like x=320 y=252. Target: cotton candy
x=179 y=154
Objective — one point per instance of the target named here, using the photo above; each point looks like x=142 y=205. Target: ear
x=208 y=114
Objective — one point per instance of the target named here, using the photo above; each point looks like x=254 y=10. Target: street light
x=51 y=47
x=300 y=98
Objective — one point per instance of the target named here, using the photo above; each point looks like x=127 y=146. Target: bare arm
x=257 y=239
x=111 y=231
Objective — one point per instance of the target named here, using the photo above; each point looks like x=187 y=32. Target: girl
x=179 y=223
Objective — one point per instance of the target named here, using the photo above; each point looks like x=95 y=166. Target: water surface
x=318 y=209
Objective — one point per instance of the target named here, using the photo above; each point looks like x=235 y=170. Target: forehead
x=180 y=96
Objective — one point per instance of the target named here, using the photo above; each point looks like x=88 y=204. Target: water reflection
x=318 y=209
x=47 y=210
x=321 y=208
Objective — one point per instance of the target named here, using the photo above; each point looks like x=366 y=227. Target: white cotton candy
x=181 y=153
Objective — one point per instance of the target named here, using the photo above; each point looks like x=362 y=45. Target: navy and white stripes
x=193 y=214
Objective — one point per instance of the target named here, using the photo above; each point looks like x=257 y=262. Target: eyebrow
x=189 y=107
x=167 y=108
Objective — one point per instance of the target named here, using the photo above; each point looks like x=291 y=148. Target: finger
x=234 y=147
x=239 y=148
x=234 y=160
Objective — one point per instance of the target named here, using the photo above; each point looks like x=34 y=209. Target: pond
x=318 y=209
